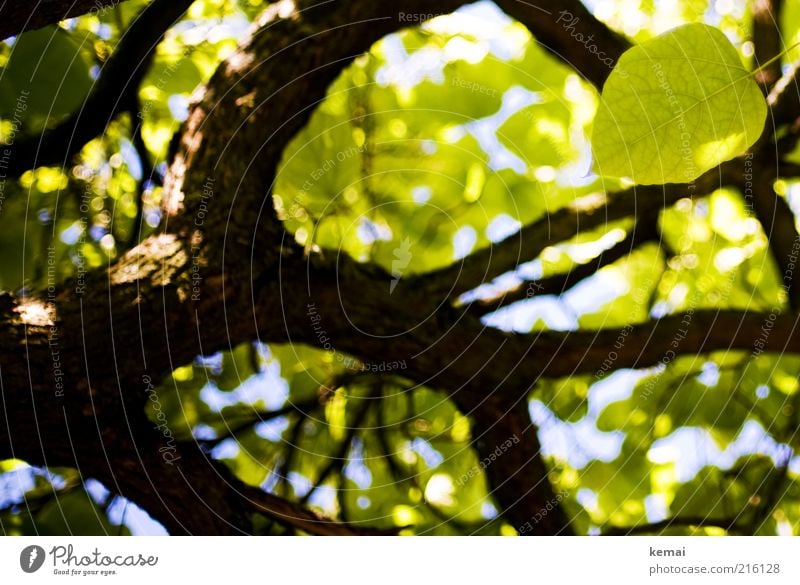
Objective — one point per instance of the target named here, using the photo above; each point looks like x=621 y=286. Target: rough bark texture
x=75 y=372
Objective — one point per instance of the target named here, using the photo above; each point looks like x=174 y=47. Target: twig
x=303 y=519
x=560 y=283
x=337 y=461
x=234 y=432
x=149 y=173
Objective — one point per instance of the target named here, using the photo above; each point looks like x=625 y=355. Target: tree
x=342 y=223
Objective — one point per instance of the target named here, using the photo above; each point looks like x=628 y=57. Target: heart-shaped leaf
x=676 y=106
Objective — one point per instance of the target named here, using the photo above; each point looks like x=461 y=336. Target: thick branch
x=661 y=340
x=519 y=479
x=783 y=100
x=773 y=212
x=571 y=32
x=453 y=350
x=777 y=221
x=767 y=40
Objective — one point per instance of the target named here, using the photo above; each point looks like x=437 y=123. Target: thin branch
x=772 y=496
x=399 y=475
x=585 y=214
x=344 y=512
x=301 y=518
x=149 y=173
x=558 y=284
x=123 y=517
x=119 y=80
x=337 y=461
x=752 y=407
x=234 y=432
x=285 y=467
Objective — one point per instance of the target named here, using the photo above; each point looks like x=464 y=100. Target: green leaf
x=676 y=106
x=46 y=78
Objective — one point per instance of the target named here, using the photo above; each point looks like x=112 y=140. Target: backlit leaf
x=676 y=106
